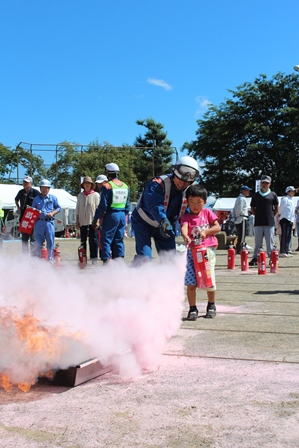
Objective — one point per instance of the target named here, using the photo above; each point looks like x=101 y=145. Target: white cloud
x=159 y=83
x=203 y=104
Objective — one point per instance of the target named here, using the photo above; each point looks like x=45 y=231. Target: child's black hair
x=197 y=191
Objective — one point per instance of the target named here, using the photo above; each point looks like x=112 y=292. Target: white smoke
x=121 y=315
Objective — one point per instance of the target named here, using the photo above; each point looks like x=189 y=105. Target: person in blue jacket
x=161 y=204
x=111 y=213
x=44 y=228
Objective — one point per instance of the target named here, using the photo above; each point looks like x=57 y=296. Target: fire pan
x=75 y=375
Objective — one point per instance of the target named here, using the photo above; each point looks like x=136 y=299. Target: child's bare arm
x=184 y=232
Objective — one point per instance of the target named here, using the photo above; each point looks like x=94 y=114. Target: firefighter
x=161 y=204
x=112 y=210
x=44 y=228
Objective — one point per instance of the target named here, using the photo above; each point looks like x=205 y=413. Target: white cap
x=290 y=189
x=101 y=178
x=27 y=179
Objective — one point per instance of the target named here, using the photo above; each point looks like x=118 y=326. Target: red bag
x=28 y=220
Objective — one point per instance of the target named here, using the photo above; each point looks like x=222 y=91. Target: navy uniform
x=161 y=204
x=112 y=211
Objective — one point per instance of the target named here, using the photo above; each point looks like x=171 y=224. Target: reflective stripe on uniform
x=167 y=187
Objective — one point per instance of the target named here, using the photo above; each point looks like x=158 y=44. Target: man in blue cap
x=241 y=214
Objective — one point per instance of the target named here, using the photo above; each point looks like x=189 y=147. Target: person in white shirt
x=286 y=214
x=241 y=214
x=297 y=223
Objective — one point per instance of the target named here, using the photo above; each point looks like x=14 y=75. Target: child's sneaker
x=211 y=310
x=193 y=314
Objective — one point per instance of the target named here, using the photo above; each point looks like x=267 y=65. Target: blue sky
x=81 y=70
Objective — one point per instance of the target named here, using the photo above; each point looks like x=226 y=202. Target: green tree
x=61 y=173
x=75 y=161
x=155 y=154
x=5 y=163
x=10 y=160
x=254 y=132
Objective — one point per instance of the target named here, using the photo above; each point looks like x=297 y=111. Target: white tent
x=8 y=193
x=227 y=204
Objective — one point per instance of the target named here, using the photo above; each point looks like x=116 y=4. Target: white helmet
x=44 y=183
x=112 y=168
x=186 y=169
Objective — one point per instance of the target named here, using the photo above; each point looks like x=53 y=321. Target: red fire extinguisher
x=244 y=259
x=231 y=257
x=82 y=256
x=44 y=252
x=56 y=254
x=274 y=261
x=201 y=265
x=261 y=263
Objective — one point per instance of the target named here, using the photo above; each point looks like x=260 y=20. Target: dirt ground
x=226 y=382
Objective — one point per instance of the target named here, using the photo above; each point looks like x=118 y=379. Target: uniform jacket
x=106 y=200
x=152 y=201
x=46 y=204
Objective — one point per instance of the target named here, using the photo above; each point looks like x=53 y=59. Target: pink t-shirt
x=204 y=220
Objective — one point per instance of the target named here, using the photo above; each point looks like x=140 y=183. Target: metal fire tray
x=75 y=375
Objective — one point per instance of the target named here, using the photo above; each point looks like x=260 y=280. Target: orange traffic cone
x=67 y=233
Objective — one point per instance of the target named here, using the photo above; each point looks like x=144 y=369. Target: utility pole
x=17 y=157
x=153 y=156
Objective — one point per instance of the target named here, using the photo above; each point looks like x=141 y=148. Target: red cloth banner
x=28 y=220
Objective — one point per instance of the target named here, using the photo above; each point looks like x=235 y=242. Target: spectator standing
x=44 y=228
x=250 y=224
x=111 y=213
x=286 y=214
x=200 y=222
x=264 y=206
x=87 y=203
x=297 y=223
x=161 y=204
x=241 y=216
x=100 y=181
x=23 y=199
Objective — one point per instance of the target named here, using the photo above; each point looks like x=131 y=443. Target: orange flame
x=35 y=339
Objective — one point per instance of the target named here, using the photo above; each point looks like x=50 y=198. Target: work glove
x=166 y=229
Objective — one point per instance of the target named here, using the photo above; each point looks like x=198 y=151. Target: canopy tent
x=227 y=204
x=8 y=193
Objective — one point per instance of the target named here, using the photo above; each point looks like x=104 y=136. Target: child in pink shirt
x=200 y=222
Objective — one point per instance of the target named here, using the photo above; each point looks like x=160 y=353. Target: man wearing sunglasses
x=264 y=206
x=161 y=204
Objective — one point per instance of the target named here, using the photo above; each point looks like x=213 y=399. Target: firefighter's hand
x=166 y=229
x=94 y=224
